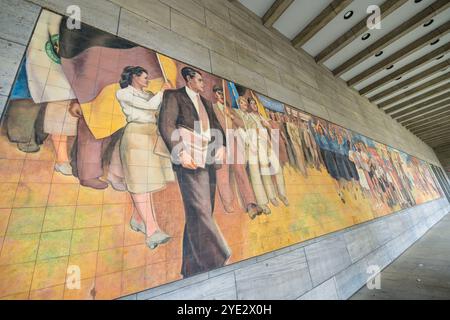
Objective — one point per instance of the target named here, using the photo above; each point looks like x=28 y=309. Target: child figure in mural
x=204 y=247
x=144 y=171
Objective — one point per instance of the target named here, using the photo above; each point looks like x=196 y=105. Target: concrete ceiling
x=415 y=90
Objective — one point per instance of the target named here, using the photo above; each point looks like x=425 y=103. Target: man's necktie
x=203 y=115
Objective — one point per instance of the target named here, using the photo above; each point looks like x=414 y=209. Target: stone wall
x=230 y=42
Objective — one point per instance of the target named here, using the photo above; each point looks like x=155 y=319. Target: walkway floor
x=420 y=273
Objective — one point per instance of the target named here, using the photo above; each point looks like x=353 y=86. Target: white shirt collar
x=191 y=93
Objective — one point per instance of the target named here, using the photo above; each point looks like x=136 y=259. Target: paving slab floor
x=421 y=273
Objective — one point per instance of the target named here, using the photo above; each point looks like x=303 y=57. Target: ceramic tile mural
x=98 y=201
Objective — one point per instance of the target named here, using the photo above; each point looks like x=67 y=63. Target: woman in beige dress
x=145 y=172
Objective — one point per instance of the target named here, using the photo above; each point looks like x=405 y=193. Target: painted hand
x=75 y=110
x=186 y=161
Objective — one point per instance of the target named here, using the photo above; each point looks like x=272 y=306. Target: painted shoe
x=252 y=211
x=266 y=210
x=284 y=200
x=156 y=239
x=275 y=202
x=94 y=184
x=28 y=147
x=64 y=168
x=137 y=226
x=260 y=210
x=117 y=184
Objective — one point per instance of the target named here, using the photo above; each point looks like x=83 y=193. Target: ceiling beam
x=436 y=141
x=440 y=136
x=437 y=138
x=443 y=154
x=431 y=121
x=442 y=129
x=422 y=105
x=386 y=9
x=445 y=162
x=444 y=124
x=421 y=97
x=401 y=54
x=424 y=111
x=443 y=149
x=426 y=85
x=327 y=14
x=275 y=12
x=408 y=68
x=444 y=158
x=427 y=116
x=423 y=75
x=444 y=137
x=406 y=27
x=440 y=141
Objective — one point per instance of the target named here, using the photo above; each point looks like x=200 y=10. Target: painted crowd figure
x=204 y=247
x=232 y=123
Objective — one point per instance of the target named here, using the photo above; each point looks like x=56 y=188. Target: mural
x=123 y=169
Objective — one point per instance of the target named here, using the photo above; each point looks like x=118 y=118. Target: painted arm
x=140 y=102
x=167 y=120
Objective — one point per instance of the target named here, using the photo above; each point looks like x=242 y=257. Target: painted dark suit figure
x=203 y=245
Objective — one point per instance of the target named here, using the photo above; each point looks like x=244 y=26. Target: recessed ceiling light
x=417 y=1
x=379 y=54
x=398 y=78
x=365 y=36
x=390 y=67
x=348 y=14
x=435 y=42
x=428 y=23
x=439 y=58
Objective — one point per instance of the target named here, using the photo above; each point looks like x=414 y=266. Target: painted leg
x=144 y=206
x=62 y=165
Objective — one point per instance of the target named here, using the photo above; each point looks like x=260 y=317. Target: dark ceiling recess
x=435 y=42
x=428 y=23
x=390 y=67
x=379 y=54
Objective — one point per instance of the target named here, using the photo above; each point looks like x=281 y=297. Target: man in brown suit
x=230 y=120
x=204 y=248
